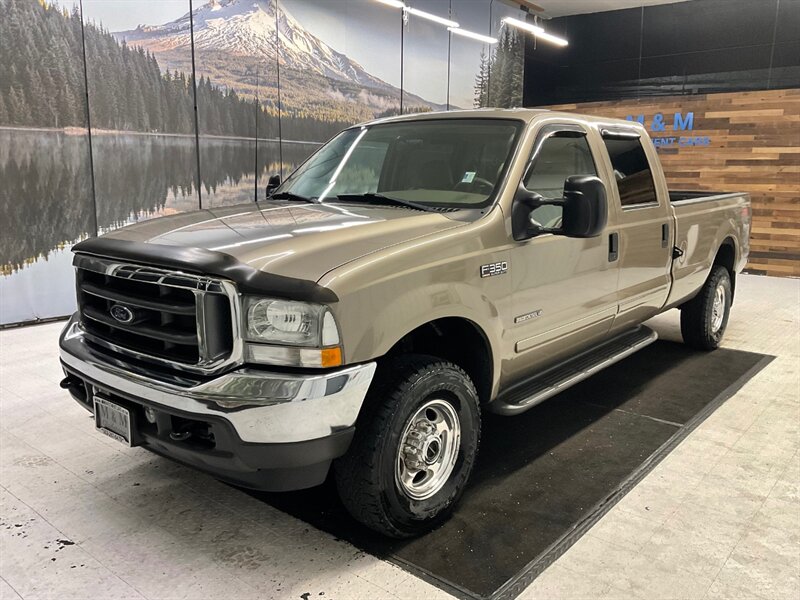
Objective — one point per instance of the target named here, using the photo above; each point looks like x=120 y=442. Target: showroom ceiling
x=560 y=8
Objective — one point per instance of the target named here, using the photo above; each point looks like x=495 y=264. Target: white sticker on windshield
x=468 y=177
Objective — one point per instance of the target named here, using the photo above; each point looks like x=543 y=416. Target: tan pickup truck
x=412 y=273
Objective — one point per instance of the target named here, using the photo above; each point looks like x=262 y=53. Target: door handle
x=665 y=235
x=613 y=246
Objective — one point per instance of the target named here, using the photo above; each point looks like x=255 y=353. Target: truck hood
x=303 y=241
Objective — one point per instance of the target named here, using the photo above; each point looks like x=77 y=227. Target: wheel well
x=457 y=340
x=726 y=257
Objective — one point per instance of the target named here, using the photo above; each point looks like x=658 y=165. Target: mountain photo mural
x=272 y=80
x=235 y=38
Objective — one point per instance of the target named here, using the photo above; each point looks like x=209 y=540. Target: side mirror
x=585 y=206
x=273 y=184
x=584 y=209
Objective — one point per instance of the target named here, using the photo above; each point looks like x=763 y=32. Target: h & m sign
x=680 y=123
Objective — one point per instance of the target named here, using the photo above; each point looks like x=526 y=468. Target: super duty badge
x=493 y=269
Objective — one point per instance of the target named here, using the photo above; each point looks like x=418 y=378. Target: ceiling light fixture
x=553 y=39
x=393 y=3
x=426 y=15
x=536 y=31
x=410 y=10
x=475 y=36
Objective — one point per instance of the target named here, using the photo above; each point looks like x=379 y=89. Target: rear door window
x=631 y=171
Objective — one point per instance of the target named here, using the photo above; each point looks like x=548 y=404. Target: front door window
x=559 y=156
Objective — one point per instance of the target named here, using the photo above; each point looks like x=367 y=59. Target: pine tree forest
x=499 y=79
x=42 y=84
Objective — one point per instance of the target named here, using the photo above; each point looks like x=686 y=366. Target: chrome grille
x=183 y=320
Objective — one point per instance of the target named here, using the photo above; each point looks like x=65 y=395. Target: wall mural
x=46 y=196
x=274 y=79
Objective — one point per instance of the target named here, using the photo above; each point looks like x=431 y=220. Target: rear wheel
x=705 y=317
x=414 y=447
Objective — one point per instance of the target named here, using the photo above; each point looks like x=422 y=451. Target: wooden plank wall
x=754 y=147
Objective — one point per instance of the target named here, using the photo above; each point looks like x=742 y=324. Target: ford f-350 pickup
x=412 y=273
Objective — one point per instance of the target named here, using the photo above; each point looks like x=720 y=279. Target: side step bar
x=558 y=378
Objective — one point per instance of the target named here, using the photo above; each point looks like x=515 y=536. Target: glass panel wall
x=46 y=190
x=141 y=108
x=469 y=58
x=274 y=80
x=237 y=98
x=507 y=59
x=425 y=58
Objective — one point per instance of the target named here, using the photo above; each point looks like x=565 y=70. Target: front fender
x=414 y=308
x=389 y=294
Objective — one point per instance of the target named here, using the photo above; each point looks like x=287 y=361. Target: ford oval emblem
x=121 y=313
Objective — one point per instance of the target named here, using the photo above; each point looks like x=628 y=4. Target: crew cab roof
x=522 y=114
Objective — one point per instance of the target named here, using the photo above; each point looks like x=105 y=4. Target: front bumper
x=269 y=430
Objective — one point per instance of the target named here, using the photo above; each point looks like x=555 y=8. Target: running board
x=558 y=378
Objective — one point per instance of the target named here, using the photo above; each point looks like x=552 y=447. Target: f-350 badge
x=493 y=269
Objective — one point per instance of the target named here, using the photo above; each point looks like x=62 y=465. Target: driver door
x=564 y=289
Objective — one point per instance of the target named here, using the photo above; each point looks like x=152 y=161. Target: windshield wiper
x=373 y=198
x=292 y=196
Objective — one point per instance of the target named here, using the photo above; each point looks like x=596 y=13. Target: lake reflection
x=46 y=199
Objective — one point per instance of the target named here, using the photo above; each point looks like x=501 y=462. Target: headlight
x=309 y=327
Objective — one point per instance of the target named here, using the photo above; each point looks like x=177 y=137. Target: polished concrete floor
x=83 y=517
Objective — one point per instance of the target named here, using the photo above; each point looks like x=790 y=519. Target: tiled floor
x=82 y=517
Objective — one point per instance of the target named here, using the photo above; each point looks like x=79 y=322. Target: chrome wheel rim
x=718 y=309
x=428 y=450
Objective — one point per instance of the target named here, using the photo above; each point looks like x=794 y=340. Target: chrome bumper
x=262 y=406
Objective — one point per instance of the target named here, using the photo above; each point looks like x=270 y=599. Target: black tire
x=698 y=317
x=366 y=475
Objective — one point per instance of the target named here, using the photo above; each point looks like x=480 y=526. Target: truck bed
x=702 y=226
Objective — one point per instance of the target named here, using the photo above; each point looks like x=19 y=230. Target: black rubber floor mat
x=544 y=477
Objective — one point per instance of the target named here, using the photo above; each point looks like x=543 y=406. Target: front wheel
x=414 y=447
x=705 y=317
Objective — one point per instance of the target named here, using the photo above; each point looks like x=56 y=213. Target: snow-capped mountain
x=251 y=28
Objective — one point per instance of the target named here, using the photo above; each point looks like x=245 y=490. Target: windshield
x=454 y=163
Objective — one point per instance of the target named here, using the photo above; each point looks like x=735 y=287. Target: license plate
x=113 y=420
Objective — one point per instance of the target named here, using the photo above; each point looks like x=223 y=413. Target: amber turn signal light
x=331 y=357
